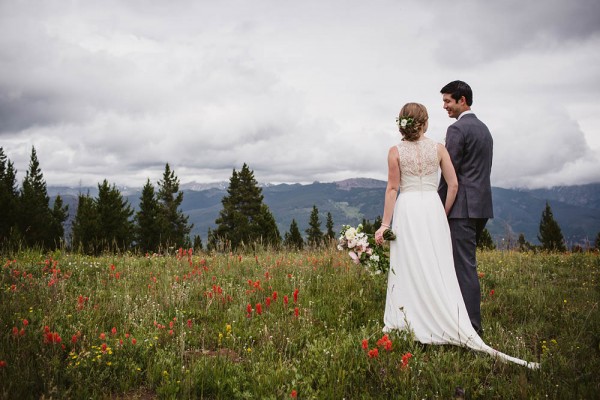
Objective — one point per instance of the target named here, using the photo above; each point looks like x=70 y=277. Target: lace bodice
x=419 y=165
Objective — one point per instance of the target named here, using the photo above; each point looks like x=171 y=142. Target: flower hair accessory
x=403 y=122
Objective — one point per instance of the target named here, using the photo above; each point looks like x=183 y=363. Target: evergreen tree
x=524 y=245
x=173 y=223
x=35 y=218
x=115 y=227
x=147 y=225
x=293 y=238
x=85 y=229
x=197 y=243
x=314 y=235
x=550 y=235
x=368 y=227
x=485 y=241
x=9 y=197
x=59 y=213
x=266 y=227
x=244 y=218
x=329 y=225
x=597 y=242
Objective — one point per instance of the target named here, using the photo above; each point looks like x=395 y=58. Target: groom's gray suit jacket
x=470 y=145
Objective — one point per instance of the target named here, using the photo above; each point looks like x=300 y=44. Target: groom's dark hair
x=457 y=89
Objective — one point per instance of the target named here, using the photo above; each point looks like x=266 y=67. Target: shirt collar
x=464 y=113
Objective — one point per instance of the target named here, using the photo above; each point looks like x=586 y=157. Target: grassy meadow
x=280 y=325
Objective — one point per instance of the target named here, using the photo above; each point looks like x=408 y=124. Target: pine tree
x=115 y=227
x=35 y=219
x=485 y=241
x=550 y=235
x=597 y=242
x=329 y=225
x=147 y=228
x=9 y=197
x=524 y=245
x=314 y=235
x=244 y=218
x=59 y=213
x=197 y=245
x=85 y=229
x=293 y=238
x=173 y=223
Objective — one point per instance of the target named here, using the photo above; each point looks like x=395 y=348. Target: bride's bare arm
x=391 y=192
x=450 y=177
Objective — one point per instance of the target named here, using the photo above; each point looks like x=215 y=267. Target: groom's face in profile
x=453 y=107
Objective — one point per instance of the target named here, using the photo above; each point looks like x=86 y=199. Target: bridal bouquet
x=363 y=250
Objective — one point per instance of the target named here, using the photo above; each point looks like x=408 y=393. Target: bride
x=423 y=294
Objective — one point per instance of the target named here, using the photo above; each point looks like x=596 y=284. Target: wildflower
x=285 y=300
x=258 y=308
x=365 y=344
x=102 y=336
x=127 y=335
x=22 y=332
x=268 y=301
x=25 y=322
x=249 y=309
x=296 y=312
x=74 y=339
x=228 y=329
x=133 y=341
x=492 y=292
x=296 y=296
x=104 y=347
x=374 y=353
x=405 y=358
x=294 y=394
x=274 y=296
x=15 y=331
x=2 y=364
x=171 y=332
x=113 y=331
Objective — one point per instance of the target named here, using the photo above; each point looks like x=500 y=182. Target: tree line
x=108 y=222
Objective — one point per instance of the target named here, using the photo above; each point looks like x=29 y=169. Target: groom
x=470 y=145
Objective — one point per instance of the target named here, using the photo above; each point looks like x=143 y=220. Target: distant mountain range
x=575 y=208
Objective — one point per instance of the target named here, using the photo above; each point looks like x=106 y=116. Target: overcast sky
x=301 y=91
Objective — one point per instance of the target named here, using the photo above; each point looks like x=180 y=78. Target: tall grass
x=218 y=327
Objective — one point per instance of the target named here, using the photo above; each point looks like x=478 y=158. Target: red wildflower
x=15 y=331
x=405 y=359
x=22 y=332
x=133 y=341
x=171 y=324
x=274 y=296
x=74 y=339
x=258 y=308
x=249 y=309
x=104 y=346
x=374 y=353
x=365 y=344
x=113 y=331
x=285 y=300
x=2 y=363
x=296 y=312
x=171 y=332
x=57 y=338
x=25 y=322
x=127 y=335
x=492 y=292
x=102 y=336
x=46 y=329
x=268 y=301
x=296 y=295
x=189 y=323
x=294 y=394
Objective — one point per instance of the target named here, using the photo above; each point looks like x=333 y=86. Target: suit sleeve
x=455 y=146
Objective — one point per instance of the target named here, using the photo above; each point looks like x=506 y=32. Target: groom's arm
x=455 y=146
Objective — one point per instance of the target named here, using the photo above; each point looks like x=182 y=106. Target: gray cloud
x=115 y=90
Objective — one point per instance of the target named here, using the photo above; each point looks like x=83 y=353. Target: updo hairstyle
x=411 y=120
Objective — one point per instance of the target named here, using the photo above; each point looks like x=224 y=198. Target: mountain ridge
x=576 y=208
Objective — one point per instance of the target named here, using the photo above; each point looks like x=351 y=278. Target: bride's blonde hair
x=411 y=120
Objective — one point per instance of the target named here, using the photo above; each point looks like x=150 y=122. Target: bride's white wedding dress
x=423 y=294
